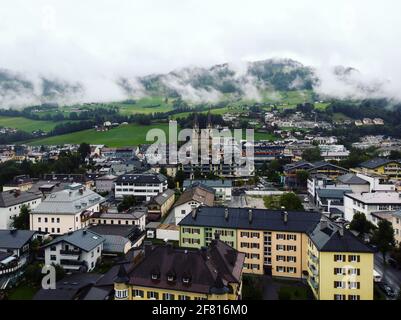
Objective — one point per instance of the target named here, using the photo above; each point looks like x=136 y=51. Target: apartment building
x=271 y=240
x=65 y=211
x=143 y=185
x=394 y=217
x=370 y=203
x=75 y=251
x=11 y=202
x=280 y=244
x=340 y=266
x=167 y=273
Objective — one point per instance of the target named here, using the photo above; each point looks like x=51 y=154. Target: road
x=390 y=275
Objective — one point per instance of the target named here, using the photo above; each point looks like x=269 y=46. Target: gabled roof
x=162 y=197
x=15 y=239
x=16 y=197
x=72 y=200
x=351 y=178
x=327 y=237
x=377 y=162
x=199 y=194
x=84 y=239
x=201 y=267
x=332 y=193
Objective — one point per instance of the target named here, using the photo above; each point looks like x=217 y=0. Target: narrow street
x=390 y=275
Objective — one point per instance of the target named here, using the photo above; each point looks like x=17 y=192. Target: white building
x=75 y=251
x=191 y=199
x=65 y=211
x=11 y=203
x=333 y=152
x=135 y=216
x=143 y=185
x=369 y=203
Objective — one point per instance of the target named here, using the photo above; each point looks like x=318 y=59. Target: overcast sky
x=98 y=40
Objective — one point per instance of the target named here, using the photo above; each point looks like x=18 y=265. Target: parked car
x=387 y=289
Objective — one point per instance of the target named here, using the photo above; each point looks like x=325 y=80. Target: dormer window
x=170 y=278
x=185 y=280
x=155 y=276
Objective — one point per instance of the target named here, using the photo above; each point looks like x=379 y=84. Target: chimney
x=84 y=231
x=341 y=231
x=194 y=213
x=203 y=251
x=250 y=215
x=217 y=236
x=226 y=214
x=285 y=217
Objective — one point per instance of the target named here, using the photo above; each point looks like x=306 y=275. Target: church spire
x=209 y=120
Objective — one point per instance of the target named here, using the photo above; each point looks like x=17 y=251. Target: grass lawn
x=146 y=106
x=22 y=292
x=126 y=135
x=293 y=290
x=26 y=124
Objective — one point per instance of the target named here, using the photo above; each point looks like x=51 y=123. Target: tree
x=395 y=155
x=21 y=221
x=302 y=177
x=383 y=237
x=360 y=224
x=84 y=150
x=312 y=154
x=128 y=202
x=180 y=177
x=290 y=201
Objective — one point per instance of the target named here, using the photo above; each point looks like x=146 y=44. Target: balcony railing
x=70 y=252
x=71 y=262
x=313 y=283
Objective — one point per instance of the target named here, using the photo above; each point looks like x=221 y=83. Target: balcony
x=70 y=252
x=67 y=262
x=313 y=283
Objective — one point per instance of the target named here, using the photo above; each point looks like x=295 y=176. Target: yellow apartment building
x=167 y=273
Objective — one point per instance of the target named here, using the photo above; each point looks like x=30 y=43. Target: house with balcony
x=15 y=252
x=75 y=251
x=65 y=211
x=389 y=168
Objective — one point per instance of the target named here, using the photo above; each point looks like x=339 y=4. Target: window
x=155 y=276
x=292 y=259
x=280 y=269
x=45 y=220
x=292 y=237
x=53 y=257
x=138 y=293
x=183 y=297
x=58 y=230
x=52 y=220
x=39 y=220
x=339 y=258
x=355 y=272
x=280 y=247
x=153 y=295
x=354 y=285
x=280 y=258
x=291 y=270
x=53 y=230
x=339 y=297
x=122 y=294
x=168 y=296
x=339 y=284
x=58 y=220
x=280 y=236
x=339 y=271
x=354 y=297
x=354 y=258
x=291 y=248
